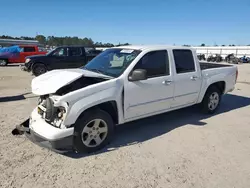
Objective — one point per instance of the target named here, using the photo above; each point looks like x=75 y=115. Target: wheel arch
x=6 y=59
x=37 y=63
x=109 y=106
x=220 y=85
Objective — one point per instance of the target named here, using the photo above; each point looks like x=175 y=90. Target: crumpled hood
x=51 y=81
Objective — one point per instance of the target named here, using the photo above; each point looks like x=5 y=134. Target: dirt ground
x=179 y=149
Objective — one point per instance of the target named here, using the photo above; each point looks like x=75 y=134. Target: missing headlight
x=59 y=116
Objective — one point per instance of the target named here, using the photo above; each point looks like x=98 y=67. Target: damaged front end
x=59 y=145
x=22 y=128
x=45 y=127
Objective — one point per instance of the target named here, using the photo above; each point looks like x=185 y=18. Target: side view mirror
x=138 y=74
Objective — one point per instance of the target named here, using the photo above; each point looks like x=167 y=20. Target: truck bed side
x=226 y=74
x=206 y=65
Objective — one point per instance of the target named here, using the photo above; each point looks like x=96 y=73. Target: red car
x=17 y=54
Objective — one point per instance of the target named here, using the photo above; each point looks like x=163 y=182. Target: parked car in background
x=218 y=58
x=201 y=57
x=245 y=59
x=79 y=108
x=17 y=54
x=215 y=58
x=231 y=58
x=63 y=57
x=94 y=52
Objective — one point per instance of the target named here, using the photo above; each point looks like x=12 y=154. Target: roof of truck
x=153 y=47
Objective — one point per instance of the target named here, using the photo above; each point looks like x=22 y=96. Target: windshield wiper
x=96 y=70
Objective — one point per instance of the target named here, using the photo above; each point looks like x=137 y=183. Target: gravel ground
x=178 y=149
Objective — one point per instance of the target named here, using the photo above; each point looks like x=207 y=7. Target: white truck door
x=155 y=94
x=187 y=78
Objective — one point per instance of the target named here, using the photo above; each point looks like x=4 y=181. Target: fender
x=110 y=94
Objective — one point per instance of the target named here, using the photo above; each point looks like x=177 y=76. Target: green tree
x=41 y=39
x=203 y=44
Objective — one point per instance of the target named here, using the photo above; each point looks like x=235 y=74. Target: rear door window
x=184 y=61
x=74 y=51
x=29 y=49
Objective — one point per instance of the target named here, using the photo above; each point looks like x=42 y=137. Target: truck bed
x=205 y=65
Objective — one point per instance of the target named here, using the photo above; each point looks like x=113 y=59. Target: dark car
x=245 y=59
x=63 y=57
x=201 y=57
x=94 y=52
x=216 y=58
x=231 y=58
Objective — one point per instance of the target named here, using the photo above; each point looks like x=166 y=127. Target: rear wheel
x=39 y=69
x=3 y=62
x=211 y=100
x=93 y=131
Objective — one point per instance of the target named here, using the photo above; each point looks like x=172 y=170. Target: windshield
x=50 y=52
x=58 y=52
x=112 y=62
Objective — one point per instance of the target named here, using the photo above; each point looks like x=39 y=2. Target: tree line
x=59 y=41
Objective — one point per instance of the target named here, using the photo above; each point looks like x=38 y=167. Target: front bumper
x=45 y=135
x=24 y=68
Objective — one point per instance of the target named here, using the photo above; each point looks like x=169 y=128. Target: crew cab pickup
x=60 y=58
x=79 y=108
x=19 y=55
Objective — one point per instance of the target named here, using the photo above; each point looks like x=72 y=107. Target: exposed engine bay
x=54 y=115
x=79 y=83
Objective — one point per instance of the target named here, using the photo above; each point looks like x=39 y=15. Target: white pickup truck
x=79 y=108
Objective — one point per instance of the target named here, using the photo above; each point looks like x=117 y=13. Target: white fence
x=238 y=51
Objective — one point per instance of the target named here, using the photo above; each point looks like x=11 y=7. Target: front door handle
x=167 y=82
x=193 y=77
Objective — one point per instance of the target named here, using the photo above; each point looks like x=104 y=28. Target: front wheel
x=39 y=69
x=211 y=100
x=93 y=131
x=3 y=62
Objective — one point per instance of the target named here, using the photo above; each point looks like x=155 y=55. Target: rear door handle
x=193 y=77
x=167 y=82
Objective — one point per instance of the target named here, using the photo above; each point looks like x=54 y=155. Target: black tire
x=39 y=69
x=84 y=121
x=205 y=104
x=3 y=62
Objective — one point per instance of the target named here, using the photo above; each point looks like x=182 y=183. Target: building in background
x=11 y=42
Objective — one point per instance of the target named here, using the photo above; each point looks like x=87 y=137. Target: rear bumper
x=230 y=90
x=45 y=135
